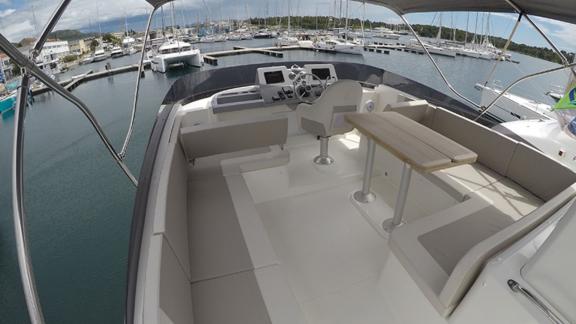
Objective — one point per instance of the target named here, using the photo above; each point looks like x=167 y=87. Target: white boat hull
x=162 y=62
x=341 y=48
x=511 y=107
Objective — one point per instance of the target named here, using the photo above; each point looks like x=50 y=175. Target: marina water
x=79 y=204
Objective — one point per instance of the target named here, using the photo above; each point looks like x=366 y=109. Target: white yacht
x=116 y=52
x=385 y=33
x=100 y=55
x=432 y=49
x=287 y=40
x=333 y=193
x=554 y=136
x=511 y=107
x=175 y=53
x=338 y=45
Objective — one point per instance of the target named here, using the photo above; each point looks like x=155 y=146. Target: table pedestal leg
x=396 y=221
x=364 y=195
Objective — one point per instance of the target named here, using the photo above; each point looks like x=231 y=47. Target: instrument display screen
x=323 y=74
x=274 y=77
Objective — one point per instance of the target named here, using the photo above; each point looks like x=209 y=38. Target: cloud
x=5 y=2
x=563 y=32
x=7 y=12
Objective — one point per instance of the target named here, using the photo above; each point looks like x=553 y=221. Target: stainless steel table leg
x=396 y=221
x=364 y=195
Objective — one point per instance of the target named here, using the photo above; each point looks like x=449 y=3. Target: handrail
x=436 y=64
x=539 y=30
x=526 y=77
x=24 y=259
x=548 y=312
x=31 y=68
x=19 y=216
x=136 y=92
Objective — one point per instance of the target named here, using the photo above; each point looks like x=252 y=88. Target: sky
x=25 y=18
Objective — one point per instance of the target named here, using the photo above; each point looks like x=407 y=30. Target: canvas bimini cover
x=562 y=10
x=158 y=3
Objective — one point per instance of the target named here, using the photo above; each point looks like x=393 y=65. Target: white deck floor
x=330 y=253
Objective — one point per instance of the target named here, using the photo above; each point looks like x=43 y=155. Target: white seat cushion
x=510 y=198
x=464 y=179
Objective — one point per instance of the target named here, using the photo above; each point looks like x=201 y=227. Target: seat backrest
x=494 y=150
x=325 y=117
x=469 y=267
x=233 y=136
x=417 y=110
x=538 y=173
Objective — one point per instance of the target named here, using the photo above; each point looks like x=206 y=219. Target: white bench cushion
x=460 y=181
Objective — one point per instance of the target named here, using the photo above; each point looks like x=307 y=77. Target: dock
x=276 y=51
x=212 y=58
x=75 y=81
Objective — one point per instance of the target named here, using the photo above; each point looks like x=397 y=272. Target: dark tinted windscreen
x=274 y=77
x=322 y=73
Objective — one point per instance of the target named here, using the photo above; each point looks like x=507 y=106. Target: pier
x=75 y=81
x=212 y=58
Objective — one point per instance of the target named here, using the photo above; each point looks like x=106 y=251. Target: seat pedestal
x=323 y=158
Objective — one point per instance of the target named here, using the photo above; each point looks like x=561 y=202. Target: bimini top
x=563 y=10
x=158 y=3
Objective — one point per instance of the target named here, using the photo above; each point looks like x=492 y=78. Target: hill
x=70 y=35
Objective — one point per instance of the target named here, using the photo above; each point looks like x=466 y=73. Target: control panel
x=278 y=85
x=324 y=72
x=275 y=84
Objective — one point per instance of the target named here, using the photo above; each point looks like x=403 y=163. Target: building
x=54 y=50
x=5 y=68
x=80 y=47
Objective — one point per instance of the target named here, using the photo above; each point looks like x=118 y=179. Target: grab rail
x=550 y=314
x=29 y=69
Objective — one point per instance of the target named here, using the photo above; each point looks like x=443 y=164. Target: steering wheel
x=304 y=90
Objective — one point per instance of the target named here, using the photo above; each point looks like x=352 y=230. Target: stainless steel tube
x=24 y=260
x=526 y=77
x=448 y=84
x=396 y=221
x=365 y=195
x=30 y=67
x=137 y=91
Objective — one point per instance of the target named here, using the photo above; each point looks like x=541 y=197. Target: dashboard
x=277 y=85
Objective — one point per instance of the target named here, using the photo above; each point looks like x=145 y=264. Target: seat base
x=323 y=160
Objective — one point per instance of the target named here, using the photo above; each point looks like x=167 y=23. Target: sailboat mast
x=163 y=25
x=346 y=24
x=439 y=36
x=289 y=16
x=466 y=33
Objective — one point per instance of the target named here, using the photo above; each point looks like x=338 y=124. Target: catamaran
x=334 y=193
x=175 y=53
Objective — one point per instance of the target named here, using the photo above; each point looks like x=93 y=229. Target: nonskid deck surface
x=331 y=255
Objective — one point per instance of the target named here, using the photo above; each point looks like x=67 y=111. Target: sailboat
x=287 y=39
x=340 y=43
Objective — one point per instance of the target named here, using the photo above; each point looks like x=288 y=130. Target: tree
x=69 y=58
x=109 y=38
x=16 y=70
x=93 y=44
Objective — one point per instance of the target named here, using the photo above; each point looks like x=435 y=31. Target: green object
x=568 y=101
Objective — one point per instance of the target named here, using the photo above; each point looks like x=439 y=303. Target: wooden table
x=418 y=146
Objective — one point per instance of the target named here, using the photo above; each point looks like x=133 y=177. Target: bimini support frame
x=137 y=90
x=484 y=110
x=29 y=69
x=448 y=84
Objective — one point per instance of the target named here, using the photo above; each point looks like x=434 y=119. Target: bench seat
x=444 y=252
x=462 y=180
x=509 y=191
